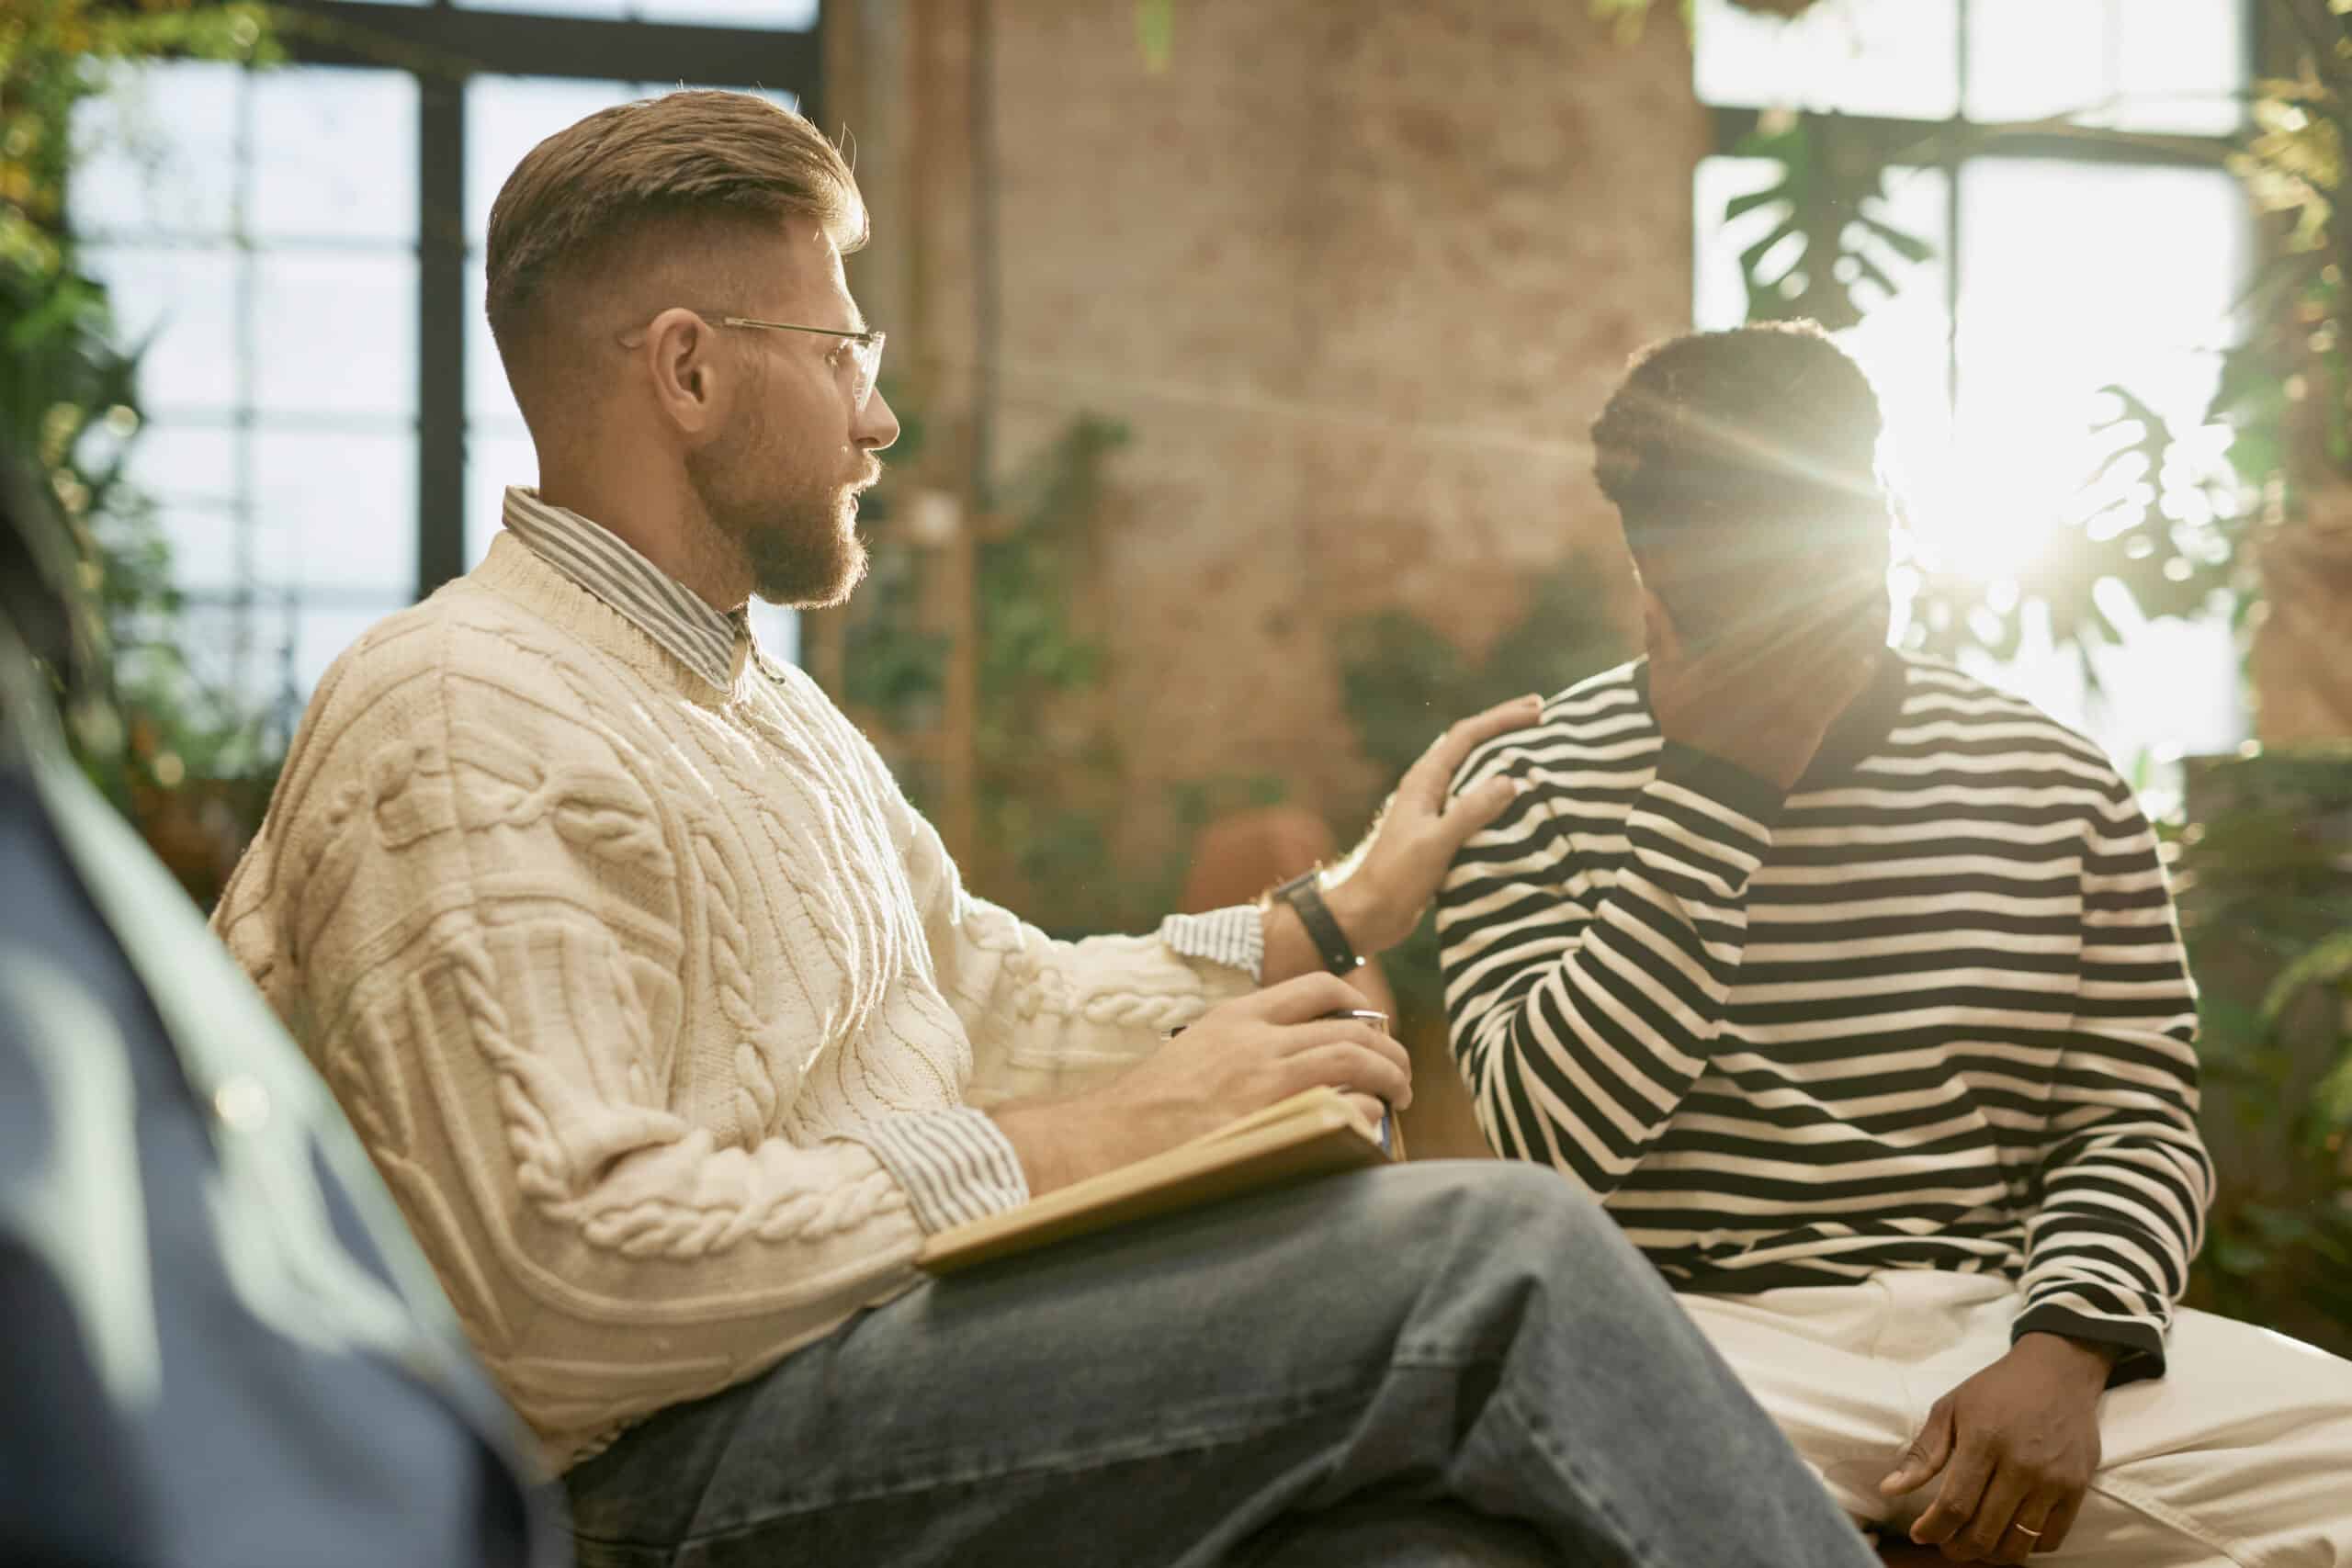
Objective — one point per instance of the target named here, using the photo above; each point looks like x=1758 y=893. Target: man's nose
x=876 y=427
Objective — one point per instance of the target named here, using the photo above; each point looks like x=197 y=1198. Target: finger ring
x=2022 y=1530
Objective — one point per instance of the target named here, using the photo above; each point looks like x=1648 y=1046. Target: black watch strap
x=1304 y=894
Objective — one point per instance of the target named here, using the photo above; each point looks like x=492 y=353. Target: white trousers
x=2239 y=1454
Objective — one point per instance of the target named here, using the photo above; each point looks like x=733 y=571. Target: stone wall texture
x=1356 y=275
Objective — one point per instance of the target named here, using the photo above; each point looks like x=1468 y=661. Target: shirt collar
x=1858 y=731
x=704 y=639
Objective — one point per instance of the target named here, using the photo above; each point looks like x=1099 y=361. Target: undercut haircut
x=659 y=169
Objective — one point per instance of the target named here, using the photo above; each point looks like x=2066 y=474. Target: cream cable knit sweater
x=639 y=991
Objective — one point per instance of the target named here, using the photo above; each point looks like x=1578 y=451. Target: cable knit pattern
x=663 y=1012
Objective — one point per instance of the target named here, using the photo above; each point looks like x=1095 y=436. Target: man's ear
x=681 y=360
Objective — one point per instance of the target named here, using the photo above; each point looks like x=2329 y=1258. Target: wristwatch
x=1304 y=893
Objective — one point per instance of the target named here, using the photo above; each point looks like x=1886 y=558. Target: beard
x=796 y=534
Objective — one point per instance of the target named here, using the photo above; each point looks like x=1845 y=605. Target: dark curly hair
x=1762 y=427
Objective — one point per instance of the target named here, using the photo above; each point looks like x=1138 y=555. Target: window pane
x=609 y=10
x=336 y=511
x=494 y=460
x=185 y=463
x=207 y=542
x=777 y=629
x=191 y=475
x=2180 y=65
x=281 y=376
x=2074 y=277
x=183 y=304
x=159 y=153
x=337 y=333
x=269 y=647
x=785 y=16
x=1899 y=58
x=337 y=155
x=321 y=633
x=2167 y=68
x=232 y=647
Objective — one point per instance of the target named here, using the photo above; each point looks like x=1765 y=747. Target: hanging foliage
x=69 y=399
x=2159 y=518
x=1831 y=238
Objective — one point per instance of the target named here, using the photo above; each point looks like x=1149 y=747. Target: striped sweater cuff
x=956 y=1165
x=1235 y=937
x=2138 y=1342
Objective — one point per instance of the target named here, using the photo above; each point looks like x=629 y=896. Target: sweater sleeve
x=2125 y=1179
x=475 y=917
x=1045 y=1016
x=1582 y=1009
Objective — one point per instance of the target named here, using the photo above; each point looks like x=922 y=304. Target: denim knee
x=1524 y=1216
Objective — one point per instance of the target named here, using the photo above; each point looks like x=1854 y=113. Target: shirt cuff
x=1235 y=937
x=2139 y=1343
x=957 y=1166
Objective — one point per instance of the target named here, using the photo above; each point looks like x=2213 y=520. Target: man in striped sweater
x=1851 y=986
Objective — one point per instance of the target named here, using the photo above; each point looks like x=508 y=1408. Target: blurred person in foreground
x=676 y=1032
x=1852 y=987
x=221 y=1347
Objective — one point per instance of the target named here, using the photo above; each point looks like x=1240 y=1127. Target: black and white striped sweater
x=1928 y=1010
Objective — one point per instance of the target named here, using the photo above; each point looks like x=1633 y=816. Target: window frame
x=445 y=46
x=1952 y=143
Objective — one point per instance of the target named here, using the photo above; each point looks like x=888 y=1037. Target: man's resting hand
x=1241 y=1057
x=2017 y=1446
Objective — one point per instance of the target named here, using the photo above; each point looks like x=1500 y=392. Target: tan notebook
x=1313 y=1133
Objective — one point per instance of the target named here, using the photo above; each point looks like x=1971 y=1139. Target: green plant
x=1049 y=780
x=68 y=384
x=2161 y=516
x=2293 y=165
x=1402 y=680
x=1053 y=799
x=1830 y=236
x=2266 y=884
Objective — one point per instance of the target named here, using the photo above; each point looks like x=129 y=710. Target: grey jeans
x=1434 y=1363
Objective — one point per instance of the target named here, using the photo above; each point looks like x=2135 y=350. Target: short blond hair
x=684 y=158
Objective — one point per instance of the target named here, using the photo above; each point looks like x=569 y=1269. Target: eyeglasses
x=865 y=350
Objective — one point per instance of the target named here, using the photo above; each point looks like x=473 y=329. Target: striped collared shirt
x=707 y=642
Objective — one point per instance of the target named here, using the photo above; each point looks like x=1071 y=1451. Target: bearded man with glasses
x=675 y=1032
